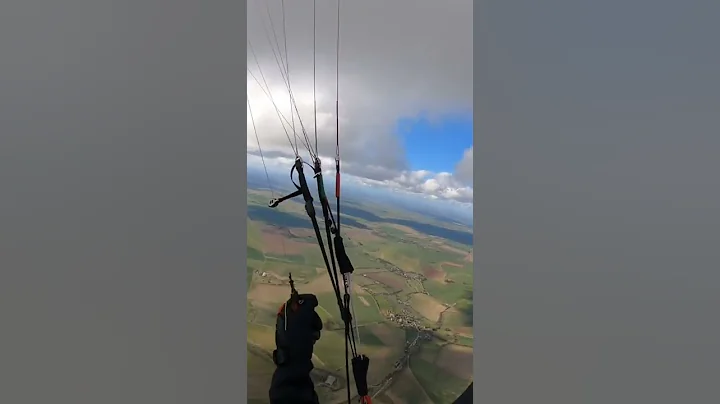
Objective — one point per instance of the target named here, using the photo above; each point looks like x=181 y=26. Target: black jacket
x=291 y=384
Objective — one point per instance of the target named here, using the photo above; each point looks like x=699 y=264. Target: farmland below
x=412 y=298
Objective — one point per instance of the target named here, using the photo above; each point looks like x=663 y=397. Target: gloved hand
x=297 y=329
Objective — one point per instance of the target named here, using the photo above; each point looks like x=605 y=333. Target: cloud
x=397 y=59
x=438 y=185
x=464 y=169
x=441 y=185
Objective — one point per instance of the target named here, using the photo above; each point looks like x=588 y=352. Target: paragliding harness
x=360 y=363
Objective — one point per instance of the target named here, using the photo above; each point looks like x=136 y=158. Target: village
x=403 y=316
x=394 y=269
x=405 y=319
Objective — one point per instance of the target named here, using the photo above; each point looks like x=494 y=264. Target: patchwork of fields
x=412 y=298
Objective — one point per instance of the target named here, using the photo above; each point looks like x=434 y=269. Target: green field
x=330 y=350
x=464 y=341
x=376 y=289
x=364 y=313
x=369 y=338
x=261 y=370
x=386 y=303
x=445 y=293
x=255 y=254
x=379 y=248
x=262 y=316
x=439 y=384
x=361 y=259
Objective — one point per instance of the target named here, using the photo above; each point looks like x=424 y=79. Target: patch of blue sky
x=435 y=143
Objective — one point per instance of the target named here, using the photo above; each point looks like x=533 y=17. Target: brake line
x=337 y=253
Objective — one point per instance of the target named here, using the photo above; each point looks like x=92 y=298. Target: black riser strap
x=360 y=366
x=346 y=267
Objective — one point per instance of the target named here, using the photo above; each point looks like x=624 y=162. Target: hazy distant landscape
x=413 y=205
x=412 y=293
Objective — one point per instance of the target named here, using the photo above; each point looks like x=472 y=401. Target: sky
x=405 y=91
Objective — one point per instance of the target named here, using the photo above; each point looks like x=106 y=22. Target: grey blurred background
x=122 y=202
x=598 y=201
